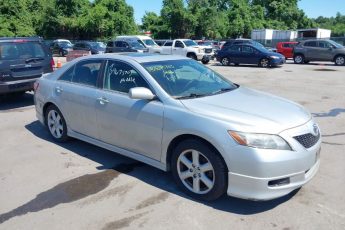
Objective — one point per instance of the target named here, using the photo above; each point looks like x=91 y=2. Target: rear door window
x=25 y=50
x=311 y=44
x=86 y=72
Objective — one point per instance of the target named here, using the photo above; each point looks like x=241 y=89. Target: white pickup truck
x=187 y=48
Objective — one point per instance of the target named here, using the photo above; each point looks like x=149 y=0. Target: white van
x=146 y=41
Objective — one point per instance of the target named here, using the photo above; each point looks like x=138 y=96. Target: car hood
x=249 y=110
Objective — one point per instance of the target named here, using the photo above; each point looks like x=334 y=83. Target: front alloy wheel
x=264 y=63
x=195 y=171
x=199 y=170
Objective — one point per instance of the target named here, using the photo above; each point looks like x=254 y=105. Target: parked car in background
x=187 y=48
x=286 y=48
x=144 y=40
x=237 y=41
x=64 y=41
x=247 y=53
x=93 y=47
x=175 y=114
x=22 y=61
x=61 y=47
x=160 y=42
x=125 y=46
x=319 y=50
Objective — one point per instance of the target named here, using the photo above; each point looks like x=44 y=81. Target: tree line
x=104 y=19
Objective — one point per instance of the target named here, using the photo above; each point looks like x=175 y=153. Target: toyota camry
x=175 y=114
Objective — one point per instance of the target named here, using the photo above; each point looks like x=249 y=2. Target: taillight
x=36 y=85
x=52 y=63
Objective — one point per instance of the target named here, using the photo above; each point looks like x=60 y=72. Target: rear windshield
x=12 y=50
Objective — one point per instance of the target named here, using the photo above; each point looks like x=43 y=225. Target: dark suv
x=22 y=61
x=319 y=50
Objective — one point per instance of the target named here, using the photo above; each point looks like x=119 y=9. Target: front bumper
x=263 y=174
x=17 y=86
x=207 y=57
x=255 y=188
x=276 y=62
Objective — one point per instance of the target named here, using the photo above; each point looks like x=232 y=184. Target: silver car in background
x=177 y=115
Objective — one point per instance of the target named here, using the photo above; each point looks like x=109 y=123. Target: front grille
x=308 y=140
x=208 y=51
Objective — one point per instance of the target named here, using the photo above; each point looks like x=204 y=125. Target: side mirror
x=141 y=93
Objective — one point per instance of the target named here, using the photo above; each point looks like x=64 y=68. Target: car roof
x=21 y=39
x=137 y=57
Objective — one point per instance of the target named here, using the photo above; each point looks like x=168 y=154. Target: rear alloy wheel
x=340 y=60
x=56 y=124
x=225 y=61
x=265 y=63
x=198 y=170
x=298 y=59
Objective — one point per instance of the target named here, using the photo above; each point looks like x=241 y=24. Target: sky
x=313 y=8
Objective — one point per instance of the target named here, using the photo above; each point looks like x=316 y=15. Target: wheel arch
x=191 y=53
x=337 y=55
x=44 y=110
x=182 y=137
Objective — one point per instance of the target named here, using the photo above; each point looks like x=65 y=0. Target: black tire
x=219 y=168
x=192 y=56
x=264 y=63
x=225 y=61
x=64 y=136
x=339 y=60
x=237 y=64
x=205 y=62
x=298 y=59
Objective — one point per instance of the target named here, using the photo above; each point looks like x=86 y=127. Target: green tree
x=15 y=19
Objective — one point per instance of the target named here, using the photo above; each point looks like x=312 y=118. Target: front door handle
x=102 y=100
x=59 y=89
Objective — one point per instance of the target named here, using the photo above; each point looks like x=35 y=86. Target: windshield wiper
x=222 y=90
x=192 y=95
x=33 y=59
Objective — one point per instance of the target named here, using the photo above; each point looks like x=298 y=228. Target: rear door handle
x=59 y=89
x=102 y=100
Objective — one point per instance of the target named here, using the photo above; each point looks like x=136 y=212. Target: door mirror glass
x=141 y=93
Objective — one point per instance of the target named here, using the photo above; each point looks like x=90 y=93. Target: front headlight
x=274 y=57
x=262 y=141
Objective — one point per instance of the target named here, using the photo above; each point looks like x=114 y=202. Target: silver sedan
x=177 y=115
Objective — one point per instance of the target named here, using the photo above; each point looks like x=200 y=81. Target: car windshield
x=335 y=44
x=65 y=44
x=261 y=48
x=183 y=79
x=97 y=45
x=17 y=50
x=149 y=42
x=258 y=44
x=190 y=43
